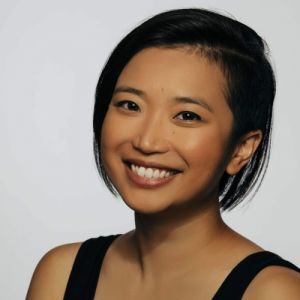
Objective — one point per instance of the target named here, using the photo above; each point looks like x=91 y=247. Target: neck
x=167 y=244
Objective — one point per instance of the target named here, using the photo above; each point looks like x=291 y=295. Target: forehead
x=176 y=71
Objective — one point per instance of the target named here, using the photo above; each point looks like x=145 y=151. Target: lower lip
x=149 y=183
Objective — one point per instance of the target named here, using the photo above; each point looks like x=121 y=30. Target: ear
x=244 y=151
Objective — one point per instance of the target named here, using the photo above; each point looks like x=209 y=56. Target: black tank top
x=84 y=276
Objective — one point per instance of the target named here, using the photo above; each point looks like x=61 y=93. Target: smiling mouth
x=149 y=177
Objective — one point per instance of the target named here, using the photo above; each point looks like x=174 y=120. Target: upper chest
x=120 y=281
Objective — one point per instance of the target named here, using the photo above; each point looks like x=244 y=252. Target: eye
x=128 y=105
x=188 y=116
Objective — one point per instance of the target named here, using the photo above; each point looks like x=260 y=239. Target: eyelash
x=194 y=115
x=198 y=118
x=121 y=104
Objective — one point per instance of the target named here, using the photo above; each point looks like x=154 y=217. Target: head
x=249 y=88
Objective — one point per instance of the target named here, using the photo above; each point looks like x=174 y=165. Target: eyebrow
x=127 y=89
x=131 y=90
x=197 y=101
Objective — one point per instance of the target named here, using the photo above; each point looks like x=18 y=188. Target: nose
x=151 y=137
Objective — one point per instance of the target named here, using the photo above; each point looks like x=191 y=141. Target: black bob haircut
x=242 y=56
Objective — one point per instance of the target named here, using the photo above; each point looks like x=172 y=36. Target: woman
x=182 y=125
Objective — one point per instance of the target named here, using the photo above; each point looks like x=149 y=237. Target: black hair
x=243 y=57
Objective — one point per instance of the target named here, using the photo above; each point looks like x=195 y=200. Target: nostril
x=146 y=145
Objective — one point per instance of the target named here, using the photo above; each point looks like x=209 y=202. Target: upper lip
x=150 y=164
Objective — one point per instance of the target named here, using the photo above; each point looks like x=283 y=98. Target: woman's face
x=168 y=112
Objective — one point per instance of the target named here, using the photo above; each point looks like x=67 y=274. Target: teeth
x=141 y=171
x=155 y=174
x=162 y=174
x=132 y=167
x=149 y=172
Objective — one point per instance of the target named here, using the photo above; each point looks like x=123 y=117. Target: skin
x=180 y=247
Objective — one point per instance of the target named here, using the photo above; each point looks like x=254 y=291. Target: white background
x=51 y=54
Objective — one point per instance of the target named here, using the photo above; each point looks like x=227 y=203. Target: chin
x=145 y=205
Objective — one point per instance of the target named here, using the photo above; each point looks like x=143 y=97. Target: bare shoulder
x=276 y=283
x=51 y=274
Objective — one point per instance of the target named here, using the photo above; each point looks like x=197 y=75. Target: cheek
x=110 y=135
x=114 y=137
x=203 y=151
x=113 y=132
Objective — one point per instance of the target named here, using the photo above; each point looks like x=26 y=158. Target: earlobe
x=244 y=151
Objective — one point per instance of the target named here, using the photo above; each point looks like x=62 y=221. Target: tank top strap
x=85 y=272
x=240 y=277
